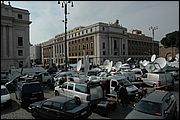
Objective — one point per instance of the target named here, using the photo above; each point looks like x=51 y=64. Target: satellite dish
x=144 y=63
x=106 y=64
x=128 y=59
x=109 y=66
x=177 y=57
x=160 y=63
x=79 y=65
x=150 y=67
x=169 y=58
x=118 y=65
x=153 y=58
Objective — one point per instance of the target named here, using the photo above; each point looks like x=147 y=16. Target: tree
x=171 y=39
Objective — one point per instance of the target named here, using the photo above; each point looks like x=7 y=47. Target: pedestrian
x=123 y=94
x=116 y=89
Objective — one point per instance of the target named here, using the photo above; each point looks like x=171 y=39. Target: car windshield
x=149 y=107
x=4 y=91
x=71 y=104
x=32 y=88
x=125 y=82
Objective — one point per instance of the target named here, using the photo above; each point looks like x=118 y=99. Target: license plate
x=83 y=113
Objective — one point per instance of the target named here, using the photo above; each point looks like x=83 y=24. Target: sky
x=47 y=16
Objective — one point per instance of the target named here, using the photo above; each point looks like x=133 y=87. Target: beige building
x=141 y=47
x=14 y=37
x=100 y=41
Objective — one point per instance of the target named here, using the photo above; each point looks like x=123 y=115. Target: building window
x=115 y=53
x=91 y=44
x=19 y=16
x=79 y=47
x=91 y=52
x=20 y=41
x=123 y=46
x=82 y=32
x=104 y=52
x=103 y=28
x=87 y=46
x=91 y=29
x=103 y=45
x=123 y=53
x=86 y=31
x=20 y=52
x=115 y=44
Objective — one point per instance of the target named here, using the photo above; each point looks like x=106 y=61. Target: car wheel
x=34 y=113
x=56 y=93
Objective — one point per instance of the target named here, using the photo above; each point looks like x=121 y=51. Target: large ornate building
x=100 y=41
x=14 y=36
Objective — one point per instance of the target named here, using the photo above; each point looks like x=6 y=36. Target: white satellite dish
x=153 y=58
x=150 y=67
x=160 y=63
x=128 y=59
x=177 y=57
x=79 y=65
x=169 y=58
x=118 y=65
x=144 y=63
x=106 y=64
x=109 y=66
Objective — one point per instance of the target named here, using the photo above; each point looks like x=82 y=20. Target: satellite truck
x=156 y=77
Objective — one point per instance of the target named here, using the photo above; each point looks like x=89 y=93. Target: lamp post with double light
x=153 y=29
x=64 y=4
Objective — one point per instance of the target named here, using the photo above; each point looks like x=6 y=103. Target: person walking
x=123 y=94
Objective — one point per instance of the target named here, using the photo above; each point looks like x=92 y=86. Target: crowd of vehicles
x=83 y=87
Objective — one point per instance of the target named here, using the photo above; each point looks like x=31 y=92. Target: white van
x=87 y=92
x=158 y=79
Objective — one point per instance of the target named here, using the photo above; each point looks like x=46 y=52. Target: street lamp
x=64 y=5
x=153 y=29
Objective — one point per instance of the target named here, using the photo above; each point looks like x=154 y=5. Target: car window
x=64 y=85
x=71 y=104
x=149 y=107
x=28 y=88
x=114 y=83
x=81 y=88
x=47 y=104
x=4 y=91
x=56 y=105
x=70 y=86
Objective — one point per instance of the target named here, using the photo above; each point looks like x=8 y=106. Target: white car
x=5 y=96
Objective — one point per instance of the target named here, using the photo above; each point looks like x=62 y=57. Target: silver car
x=157 y=105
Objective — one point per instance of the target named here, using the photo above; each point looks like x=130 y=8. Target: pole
x=65 y=12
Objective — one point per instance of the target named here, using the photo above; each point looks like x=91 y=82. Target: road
x=16 y=112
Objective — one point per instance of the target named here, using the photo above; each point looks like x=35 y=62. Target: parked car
x=28 y=92
x=60 y=107
x=158 y=80
x=157 y=105
x=5 y=96
x=87 y=92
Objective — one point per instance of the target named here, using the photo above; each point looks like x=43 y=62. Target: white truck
x=159 y=80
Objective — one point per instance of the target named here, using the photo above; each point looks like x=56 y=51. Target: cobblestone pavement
x=16 y=112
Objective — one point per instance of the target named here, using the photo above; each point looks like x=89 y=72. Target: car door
x=70 y=91
x=45 y=110
x=170 y=106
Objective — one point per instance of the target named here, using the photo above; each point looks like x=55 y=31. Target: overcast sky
x=47 y=16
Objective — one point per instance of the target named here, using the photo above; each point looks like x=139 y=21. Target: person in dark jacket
x=116 y=89
x=123 y=95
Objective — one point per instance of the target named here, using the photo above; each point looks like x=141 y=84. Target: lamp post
x=153 y=29
x=65 y=5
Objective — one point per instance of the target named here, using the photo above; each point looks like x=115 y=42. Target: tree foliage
x=171 y=39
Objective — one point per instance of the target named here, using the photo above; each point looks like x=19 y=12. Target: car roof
x=60 y=99
x=156 y=96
